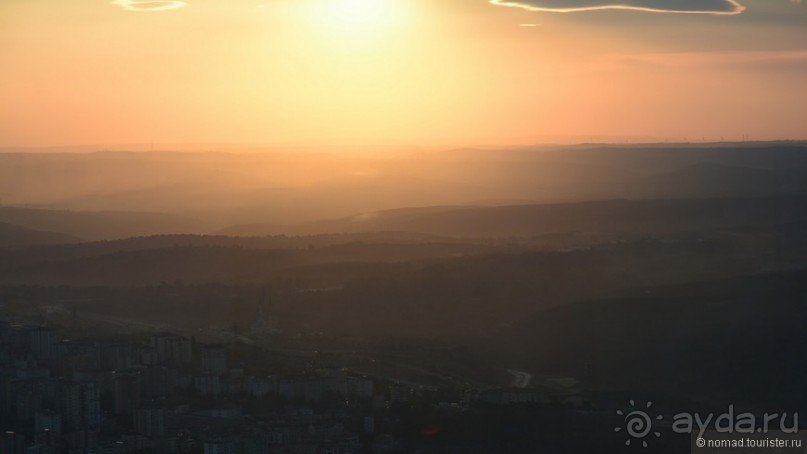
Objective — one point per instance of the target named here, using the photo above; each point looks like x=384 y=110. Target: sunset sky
x=399 y=72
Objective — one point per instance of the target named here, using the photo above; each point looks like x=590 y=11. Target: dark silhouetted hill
x=14 y=236
x=740 y=339
x=603 y=217
x=100 y=225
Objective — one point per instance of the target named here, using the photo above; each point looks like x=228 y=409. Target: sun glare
x=361 y=12
x=359 y=15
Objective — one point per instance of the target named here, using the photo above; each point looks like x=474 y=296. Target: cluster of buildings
x=169 y=393
x=172 y=394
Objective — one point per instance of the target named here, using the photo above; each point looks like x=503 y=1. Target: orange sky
x=394 y=72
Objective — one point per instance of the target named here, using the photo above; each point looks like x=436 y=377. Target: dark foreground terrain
x=672 y=275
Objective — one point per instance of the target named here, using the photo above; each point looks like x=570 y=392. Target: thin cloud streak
x=150 y=5
x=700 y=59
x=733 y=8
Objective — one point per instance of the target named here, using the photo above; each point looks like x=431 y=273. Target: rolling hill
x=14 y=236
x=600 y=217
x=100 y=225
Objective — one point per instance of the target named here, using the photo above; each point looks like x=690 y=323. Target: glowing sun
x=361 y=13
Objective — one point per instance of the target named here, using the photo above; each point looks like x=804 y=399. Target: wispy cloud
x=701 y=59
x=717 y=7
x=149 y=5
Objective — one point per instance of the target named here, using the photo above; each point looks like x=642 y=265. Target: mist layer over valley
x=293 y=192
